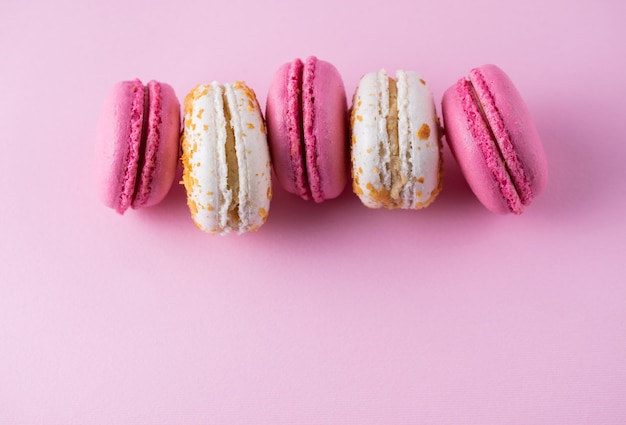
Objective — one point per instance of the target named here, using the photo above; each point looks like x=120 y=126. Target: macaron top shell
x=137 y=144
x=117 y=144
x=493 y=137
x=307 y=128
x=285 y=128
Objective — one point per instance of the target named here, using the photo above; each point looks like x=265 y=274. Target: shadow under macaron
x=456 y=197
x=172 y=207
x=291 y=214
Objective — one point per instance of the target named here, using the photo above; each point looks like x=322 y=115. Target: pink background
x=331 y=313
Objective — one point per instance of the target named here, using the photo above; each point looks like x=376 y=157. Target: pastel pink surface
x=497 y=181
x=306 y=115
x=331 y=313
x=128 y=174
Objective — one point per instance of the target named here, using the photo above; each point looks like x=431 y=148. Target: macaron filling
x=301 y=129
x=143 y=142
x=486 y=125
x=395 y=163
x=309 y=136
x=133 y=153
x=232 y=175
x=394 y=169
x=149 y=144
x=295 y=128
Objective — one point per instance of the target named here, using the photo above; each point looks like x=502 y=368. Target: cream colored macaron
x=396 y=146
x=226 y=160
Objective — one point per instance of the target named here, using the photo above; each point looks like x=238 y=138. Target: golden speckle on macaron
x=424 y=132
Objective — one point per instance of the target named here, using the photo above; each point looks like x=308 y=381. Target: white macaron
x=396 y=146
x=226 y=160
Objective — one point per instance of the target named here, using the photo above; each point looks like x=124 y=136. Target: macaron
x=494 y=140
x=137 y=144
x=226 y=160
x=395 y=142
x=307 y=120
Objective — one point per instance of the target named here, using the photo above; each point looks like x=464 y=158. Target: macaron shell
x=117 y=144
x=202 y=175
x=162 y=145
x=253 y=156
x=283 y=118
x=325 y=113
x=423 y=144
x=369 y=139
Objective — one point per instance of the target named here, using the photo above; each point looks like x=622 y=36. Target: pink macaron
x=493 y=138
x=137 y=144
x=307 y=121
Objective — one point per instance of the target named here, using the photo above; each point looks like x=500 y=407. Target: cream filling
x=395 y=161
x=230 y=150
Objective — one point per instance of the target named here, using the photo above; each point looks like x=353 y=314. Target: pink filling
x=481 y=133
x=149 y=144
x=310 y=139
x=294 y=123
x=133 y=154
x=503 y=139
